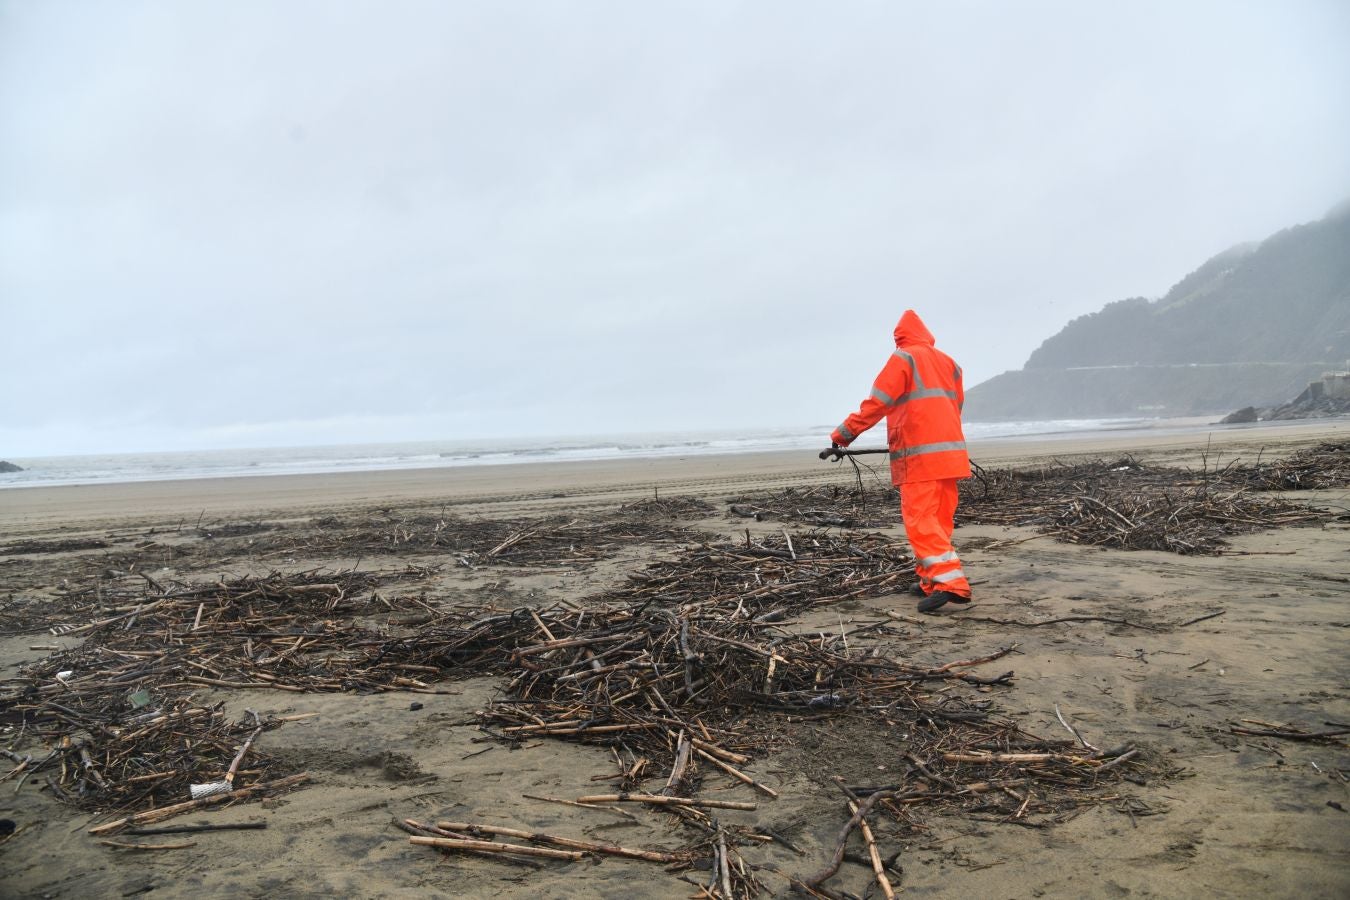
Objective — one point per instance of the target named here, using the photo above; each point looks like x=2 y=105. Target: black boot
x=939 y=599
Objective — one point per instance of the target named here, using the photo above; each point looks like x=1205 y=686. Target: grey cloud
x=539 y=215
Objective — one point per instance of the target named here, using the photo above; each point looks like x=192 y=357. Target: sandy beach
x=1160 y=651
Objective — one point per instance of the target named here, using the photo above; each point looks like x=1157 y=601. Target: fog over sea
x=181 y=464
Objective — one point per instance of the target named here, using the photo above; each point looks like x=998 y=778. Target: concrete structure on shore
x=1333 y=386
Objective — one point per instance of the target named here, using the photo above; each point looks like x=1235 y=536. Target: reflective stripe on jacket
x=920 y=394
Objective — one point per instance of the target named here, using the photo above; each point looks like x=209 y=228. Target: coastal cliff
x=1252 y=326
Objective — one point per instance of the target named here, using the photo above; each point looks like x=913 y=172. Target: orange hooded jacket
x=920 y=394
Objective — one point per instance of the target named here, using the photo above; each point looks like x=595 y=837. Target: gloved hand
x=834 y=451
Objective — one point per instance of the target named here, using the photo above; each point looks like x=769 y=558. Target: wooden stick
x=1074 y=731
x=22 y=761
x=682 y=747
x=873 y=853
x=658 y=800
x=239 y=757
x=120 y=845
x=101 y=622
x=203 y=826
x=542 y=627
x=197 y=679
x=420 y=829
x=929 y=773
x=723 y=864
x=814 y=881
x=1212 y=615
x=1290 y=735
x=1037 y=624
x=551 y=728
x=736 y=773
x=493 y=847
x=1128 y=754
x=717 y=751
x=987 y=758
x=610 y=809
x=965 y=663
x=168 y=812
x=570 y=642
x=541 y=838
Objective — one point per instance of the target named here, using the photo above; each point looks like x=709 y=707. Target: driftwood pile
x=1322 y=467
x=1126 y=505
x=668 y=507
x=829 y=505
x=534 y=542
x=703 y=645
x=692 y=668
x=120 y=710
x=549 y=541
x=340 y=541
x=1117 y=503
x=117 y=596
x=114 y=760
x=18 y=548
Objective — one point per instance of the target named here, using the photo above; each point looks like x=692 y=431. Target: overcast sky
x=281 y=222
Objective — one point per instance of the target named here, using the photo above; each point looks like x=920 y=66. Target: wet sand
x=22 y=509
x=1251 y=816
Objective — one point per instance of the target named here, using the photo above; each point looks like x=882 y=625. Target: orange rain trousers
x=928 y=509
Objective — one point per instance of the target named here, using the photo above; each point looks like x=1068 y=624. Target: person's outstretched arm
x=890 y=386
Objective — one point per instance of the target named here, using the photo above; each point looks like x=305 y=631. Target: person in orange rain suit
x=919 y=392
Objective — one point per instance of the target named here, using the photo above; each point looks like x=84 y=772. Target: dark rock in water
x=1241 y=417
x=6 y=466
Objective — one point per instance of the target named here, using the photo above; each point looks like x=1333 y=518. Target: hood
x=911 y=330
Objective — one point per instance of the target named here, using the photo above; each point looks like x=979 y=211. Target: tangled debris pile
x=817 y=568
x=691 y=665
x=120 y=711
x=338 y=541
x=688 y=668
x=1127 y=505
x=1324 y=466
x=32 y=547
x=669 y=507
x=547 y=541
x=115 y=597
x=1118 y=503
x=822 y=506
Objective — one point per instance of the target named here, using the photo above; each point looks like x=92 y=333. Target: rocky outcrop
x=1244 y=416
x=1313 y=408
x=1156 y=391
x=6 y=466
x=1328 y=396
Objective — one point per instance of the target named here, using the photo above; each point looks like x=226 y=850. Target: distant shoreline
x=255 y=462
x=1196 y=443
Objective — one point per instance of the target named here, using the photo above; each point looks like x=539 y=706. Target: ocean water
x=124 y=467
